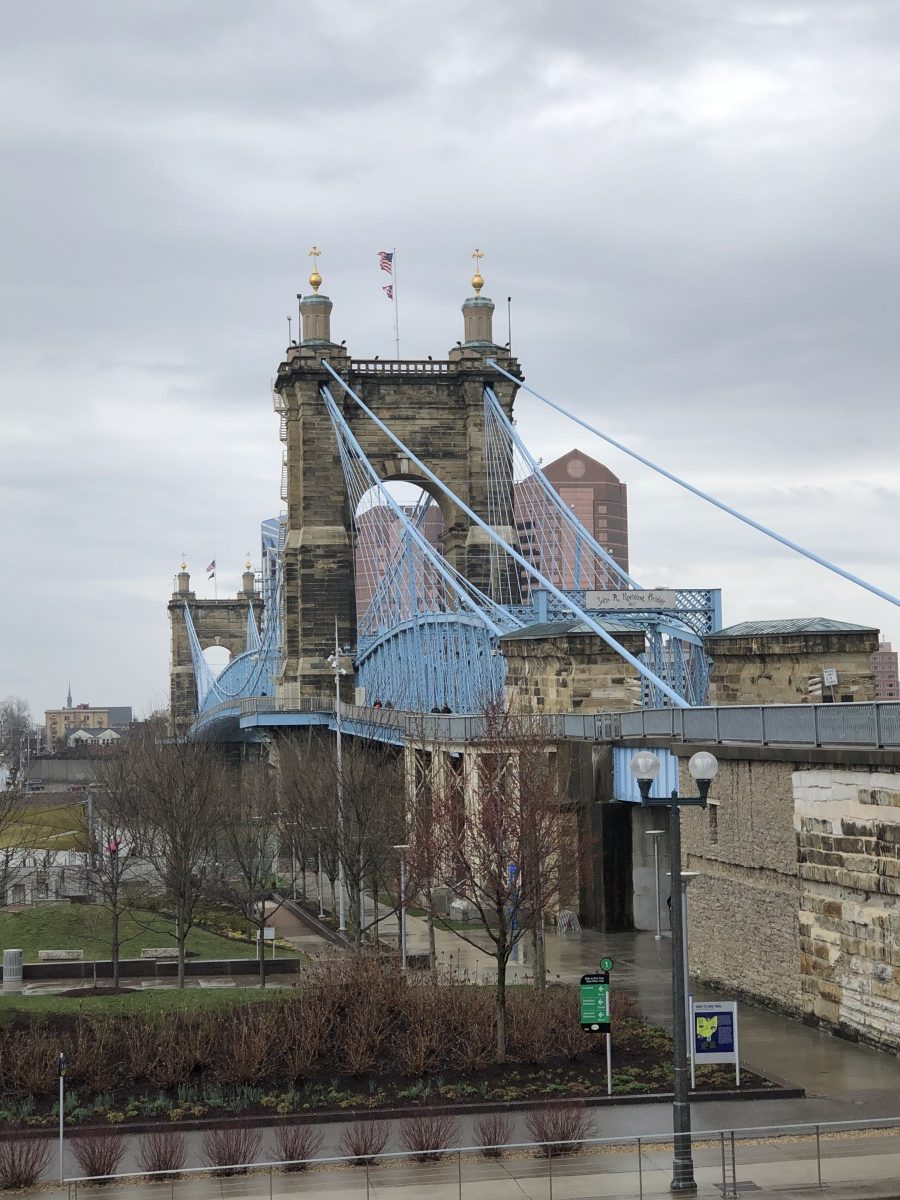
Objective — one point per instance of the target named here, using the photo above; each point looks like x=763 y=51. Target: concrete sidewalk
x=849 y=1167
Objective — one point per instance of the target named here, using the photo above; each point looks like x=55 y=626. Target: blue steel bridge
x=430 y=640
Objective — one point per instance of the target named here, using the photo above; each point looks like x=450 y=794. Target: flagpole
x=396 y=306
x=215 y=577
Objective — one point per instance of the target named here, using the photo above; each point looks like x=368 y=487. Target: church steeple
x=69 y=696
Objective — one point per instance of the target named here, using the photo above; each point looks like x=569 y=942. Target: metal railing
x=399 y=366
x=829 y=1157
x=874 y=724
x=429 y=727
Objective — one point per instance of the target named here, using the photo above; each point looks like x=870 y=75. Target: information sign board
x=715 y=1033
x=594 y=997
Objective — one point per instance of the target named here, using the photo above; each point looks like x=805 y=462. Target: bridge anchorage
x=441 y=599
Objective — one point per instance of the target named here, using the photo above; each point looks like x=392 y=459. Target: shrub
x=98 y=1152
x=233 y=1145
x=533 y=1017
x=362 y=1140
x=429 y=1134
x=22 y=1161
x=491 y=1132
x=560 y=1128
x=162 y=1150
x=296 y=1144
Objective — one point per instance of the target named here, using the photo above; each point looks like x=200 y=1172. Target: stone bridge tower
x=218 y=623
x=435 y=407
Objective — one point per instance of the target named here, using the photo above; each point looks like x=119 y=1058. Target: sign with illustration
x=715 y=1034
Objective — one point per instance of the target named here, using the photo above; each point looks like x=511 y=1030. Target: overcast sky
x=693 y=204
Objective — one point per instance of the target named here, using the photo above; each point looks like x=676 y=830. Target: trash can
x=12 y=970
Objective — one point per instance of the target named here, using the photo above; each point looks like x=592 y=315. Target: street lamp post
x=334 y=661
x=656 y=834
x=401 y=850
x=703 y=767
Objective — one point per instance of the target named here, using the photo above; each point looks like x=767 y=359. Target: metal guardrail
x=429 y=727
x=861 y=724
x=726 y=1150
x=876 y=725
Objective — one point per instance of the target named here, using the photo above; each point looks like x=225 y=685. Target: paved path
x=851 y=1167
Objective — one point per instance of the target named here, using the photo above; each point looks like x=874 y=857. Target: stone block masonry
x=797 y=904
x=848 y=840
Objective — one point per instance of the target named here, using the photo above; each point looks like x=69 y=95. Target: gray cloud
x=693 y=210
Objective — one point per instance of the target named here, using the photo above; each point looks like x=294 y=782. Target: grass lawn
x=144 y=1003
x=86 y=927
x=59 y=828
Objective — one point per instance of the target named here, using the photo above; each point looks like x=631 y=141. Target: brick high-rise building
x=597 y=498
x=886 y=672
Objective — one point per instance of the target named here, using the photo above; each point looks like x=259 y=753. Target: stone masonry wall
x=572 y=673
x=848 y=829
x=743 y=926
x=797 y=903
x=218 y=623
x=788 y=669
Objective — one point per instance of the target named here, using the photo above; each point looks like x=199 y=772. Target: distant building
x=93 y=737
x=886 y=671
x=60 y=723
x=598 y=499
x=594 y=494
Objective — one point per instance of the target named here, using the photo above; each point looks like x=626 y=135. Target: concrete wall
x=643 y=867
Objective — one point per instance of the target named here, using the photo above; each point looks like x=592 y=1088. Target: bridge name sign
x=631 y=601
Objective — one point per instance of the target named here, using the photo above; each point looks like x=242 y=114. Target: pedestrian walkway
x=842 y=1079
x=844 y=1166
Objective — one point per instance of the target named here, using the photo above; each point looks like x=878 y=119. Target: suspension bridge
x=429 y=636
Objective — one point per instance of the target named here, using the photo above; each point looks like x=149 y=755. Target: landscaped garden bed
x=357 y=1036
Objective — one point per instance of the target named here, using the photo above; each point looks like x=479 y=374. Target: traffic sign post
x=594 y=995
x=595 y=1010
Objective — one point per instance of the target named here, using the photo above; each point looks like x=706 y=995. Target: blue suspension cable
x=732 y=512
x=570 y=604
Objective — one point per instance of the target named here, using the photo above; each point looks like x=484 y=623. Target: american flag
x=389 y=291
x=211 y=569
x=386 y=261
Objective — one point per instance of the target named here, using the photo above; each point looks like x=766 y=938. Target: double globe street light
x=703 y=767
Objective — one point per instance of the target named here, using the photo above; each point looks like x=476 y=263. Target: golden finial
x=248 y=565
x=183 y=561
x=477 y=278
x=315 y=279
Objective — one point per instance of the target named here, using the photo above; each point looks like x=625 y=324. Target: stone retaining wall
x=797 y=904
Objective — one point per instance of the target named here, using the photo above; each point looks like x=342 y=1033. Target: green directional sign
x=594 y=997
x=606 y=964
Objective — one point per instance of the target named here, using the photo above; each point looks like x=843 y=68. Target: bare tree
x=114 y=846
x=492 y=830
x=19 y=837
x=251 y=832
x=354 y=816
x=16 y=727
x=176 y=816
